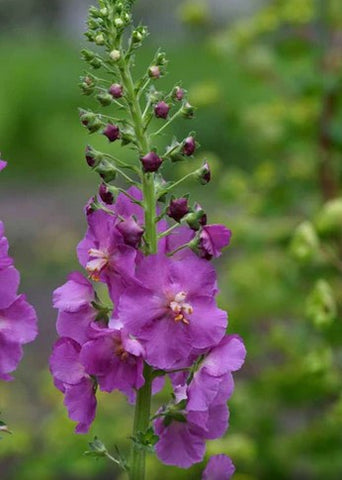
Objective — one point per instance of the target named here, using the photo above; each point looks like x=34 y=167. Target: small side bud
x=203 y=174
x=131 y=232
x=151 y=162
x=178 y=208
x=189 y=146
x=188 y=111
x=112 y=132
x=305 y=242
x=106 y=171
x=99 y=39
x=90 y=121
x=115 y=55
x=95 y=63
x=161 y=110
x=178 y=94
x=92 y=156
x=105 y=99
x=119 y=23
x=107 y=193
x=116 y=90
x=196 y=218
x=154 y=72
x=87 y=55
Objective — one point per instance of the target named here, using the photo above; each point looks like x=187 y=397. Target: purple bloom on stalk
x=3 y=164
x=18 y=325
x=189 y=146
x=178 y=93
x=161 y=110
x=9 y=276
x=116 y=90
x=171 y=310
x=76 y=313
x=219 y=467
x=212 y=239
x=112 y=132
x=131 y=231
x=72 y=379
x=117 y=361
x=104 y=255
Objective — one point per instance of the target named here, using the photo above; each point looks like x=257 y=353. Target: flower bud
x=329 y=219
x=87 y=85
x=119 y=23
x=161 y=59
x=105 y=194
x=87 y=55
x=321 y=304
x=137 y=37
x=178 y=94
x=96 y=63
x=161 y=110
x=196 y=218
x=90 y=206
x=104 y=12
x=189 y=146
x=116 y=90
x=203 y=174
x=90 y=156
x=90 y=121
x=188 y=111
x=131 y=231
x=201 y=215
x=112 y=132
x=3 y=163
x=151 y=162
x=99 y=39
x=106 y=171
x=115 y=55
x=305 y=243
x=105 y=99
x=154 y=72
x=178 y=208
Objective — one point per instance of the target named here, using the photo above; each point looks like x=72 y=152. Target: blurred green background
x=266 y=78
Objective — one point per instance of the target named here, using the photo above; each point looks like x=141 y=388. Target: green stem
x=143 y=403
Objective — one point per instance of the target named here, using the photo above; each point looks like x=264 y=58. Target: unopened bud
x=178 y=208
x=151 y=162
x=95 y=63
x=112 y=132
x=189 y=146
x=154 y=72
x=321 y=304
x=105 y=194
x=106 y=171
x=203 y=174
x=161 y=59
x=305 y=242
x=99 y=39
x=330 y=217
x=196 y=218
x=131 y=231
x=118 y=22
x=161 y=110
x=87 y=55
x=105 y=99
x=188 y=111
x=104 y=12
x=90 y=156
x=178 y=94
x=115 y=55
x=116 y=90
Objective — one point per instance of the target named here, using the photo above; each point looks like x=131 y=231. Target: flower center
x=180 y=308
x=99 y=261
x=119 y=350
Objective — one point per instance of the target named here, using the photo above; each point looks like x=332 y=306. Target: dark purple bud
x=178 y=207
x=154 y=72
x=90 y=157
x=90 y=121
x=105 y=194
x=90 y=206
x=178 y=93
x=189 y=146
x=161 y=110
x=131 y=232
x=116 y=90
x=112 y=132
x=203 y=174
x=151 y=162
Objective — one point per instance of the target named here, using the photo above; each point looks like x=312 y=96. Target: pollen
x=180 y=308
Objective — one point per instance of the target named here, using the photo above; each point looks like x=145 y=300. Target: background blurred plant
x=264 y=85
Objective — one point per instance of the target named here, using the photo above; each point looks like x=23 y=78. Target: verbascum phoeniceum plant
x=163 y=319
x=18 y=320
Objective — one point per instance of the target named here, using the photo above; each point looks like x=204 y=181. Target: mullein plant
x=163 y=319
x=18 y=320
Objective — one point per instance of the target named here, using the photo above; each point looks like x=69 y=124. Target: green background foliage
x=267 y=86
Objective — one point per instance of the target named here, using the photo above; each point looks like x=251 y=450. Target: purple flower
x=112 y=132
x=204 y=174
x=131 y=231
x=9 y=276
x=178 y=208
x=212 y=239
x=171 y=310
x=104 y=255
x=72 y=379
x=161 y=110
x=76 y=313
x=117 y=361
x=219 y=467
x=151 y=162
x=3 y=164
x=154 y=72
x=178 y=93
x=18 y=325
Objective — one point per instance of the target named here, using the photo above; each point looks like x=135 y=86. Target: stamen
x=180 y=308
